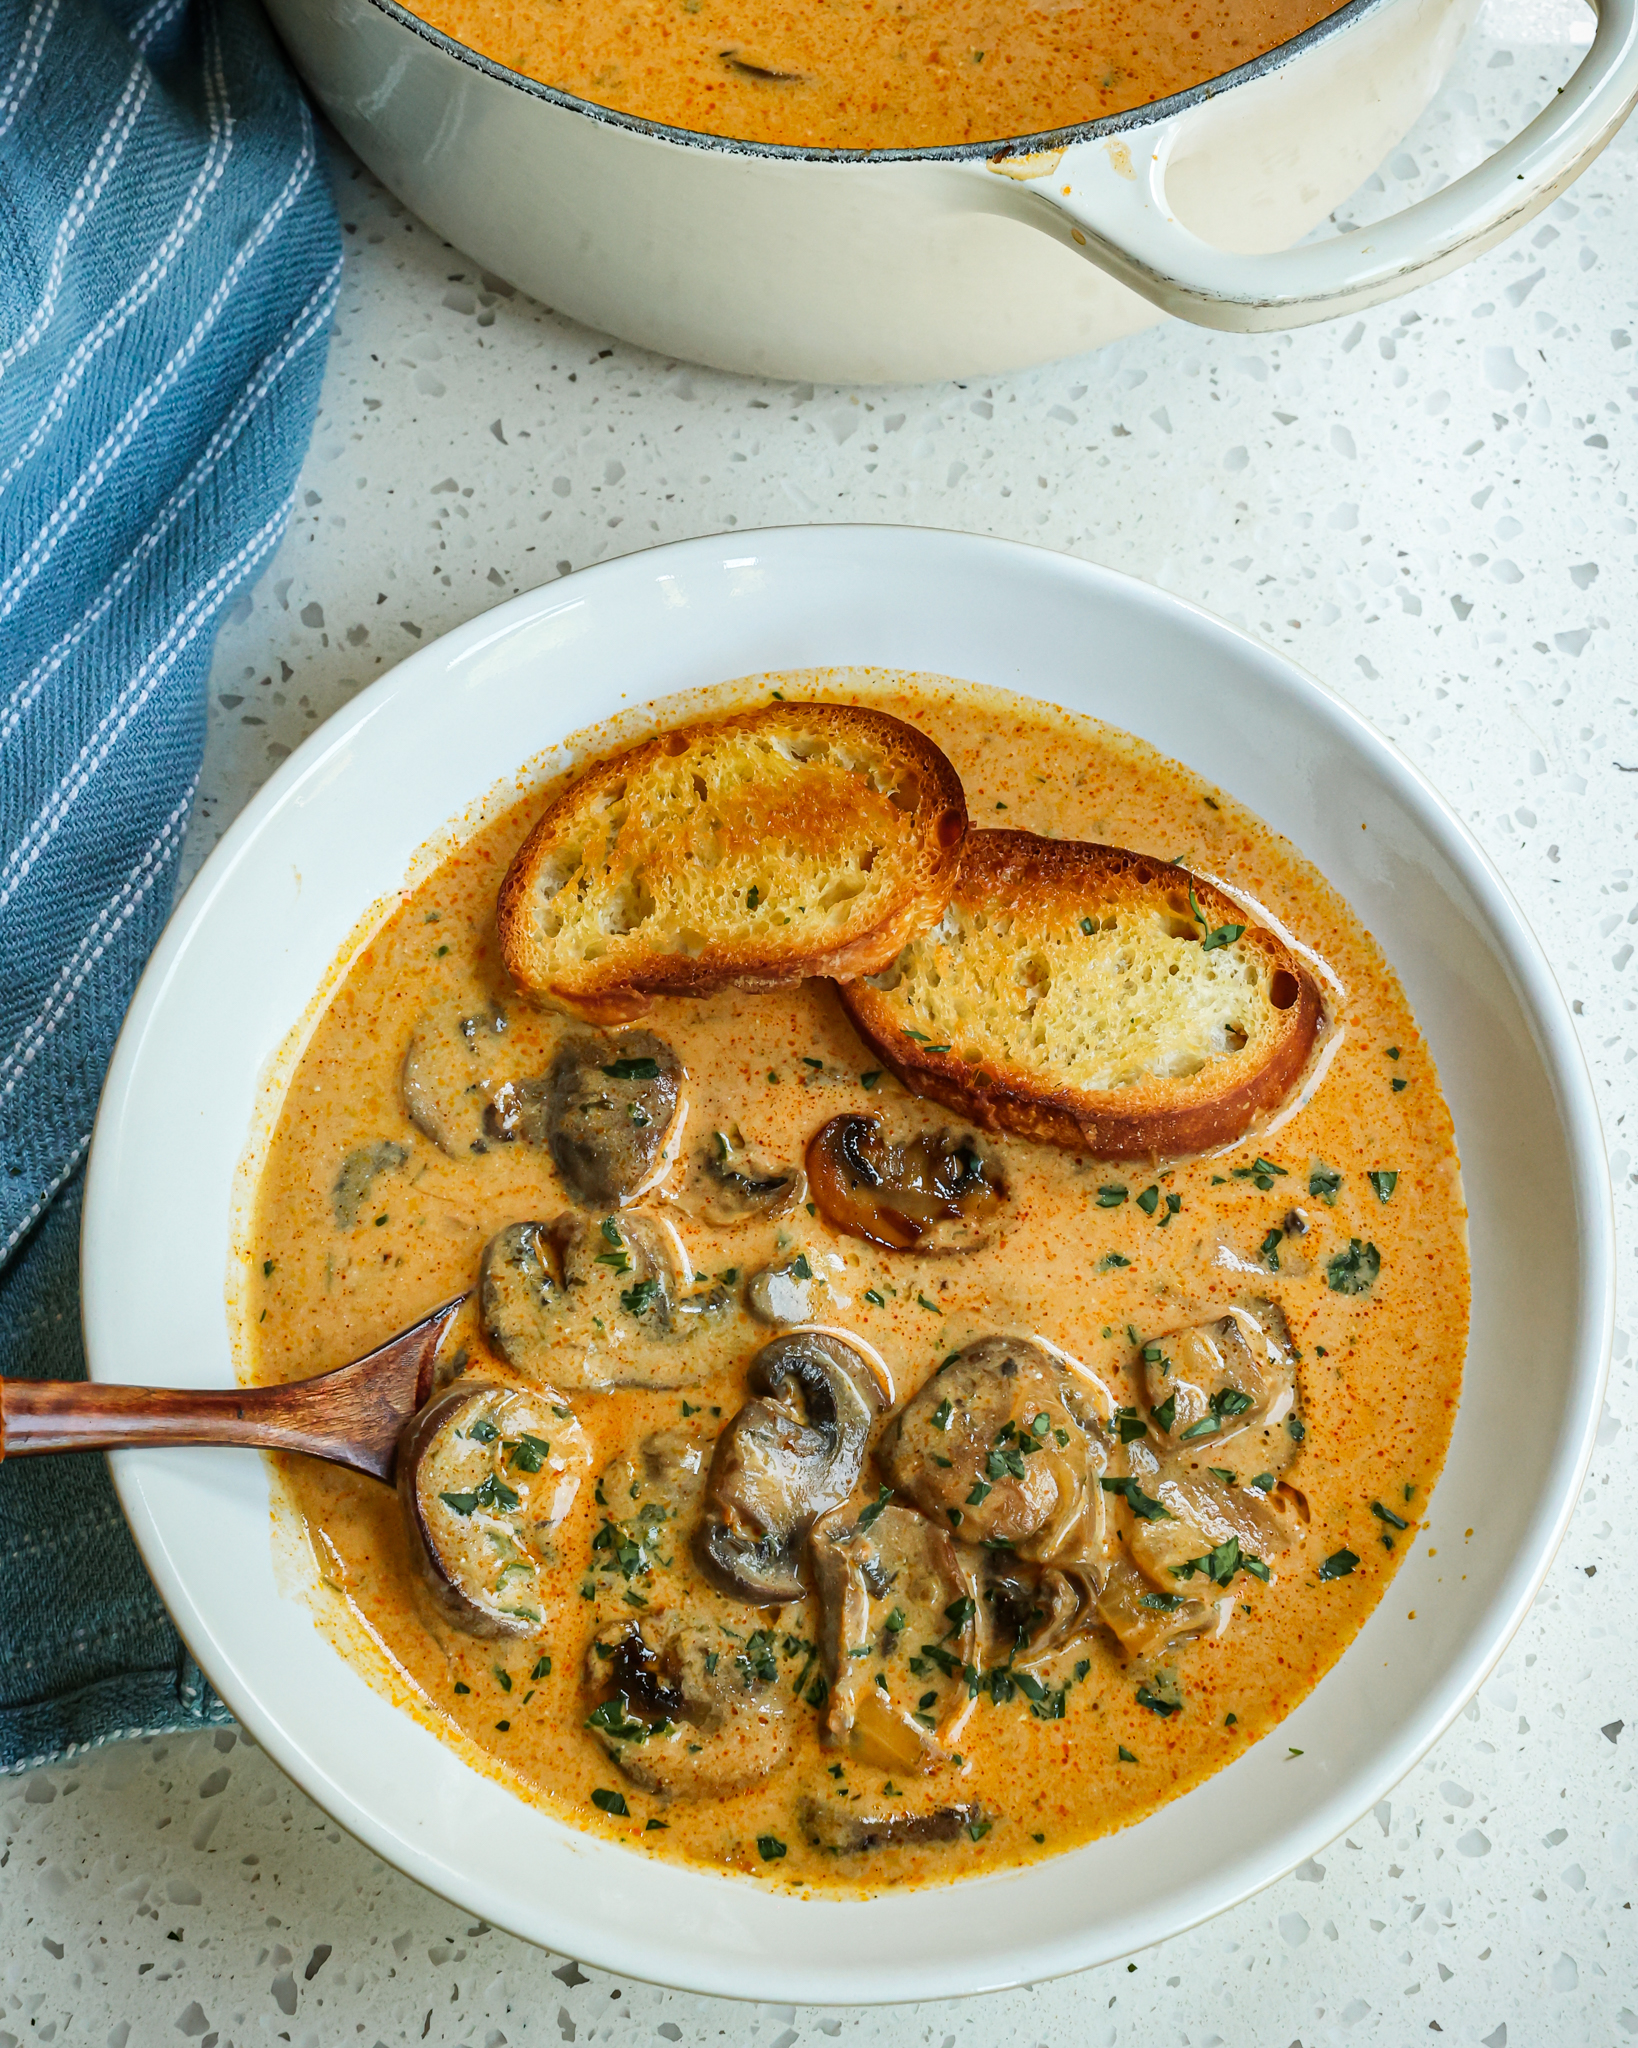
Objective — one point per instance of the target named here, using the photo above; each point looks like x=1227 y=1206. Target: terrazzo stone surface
x=1429 y=508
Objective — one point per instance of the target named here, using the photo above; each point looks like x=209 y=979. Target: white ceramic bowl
x=336 y=830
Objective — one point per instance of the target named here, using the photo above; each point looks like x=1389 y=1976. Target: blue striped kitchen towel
x=169 y=261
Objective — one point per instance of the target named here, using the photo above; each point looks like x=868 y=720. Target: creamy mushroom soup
x=865 y=74
x=818 y=1488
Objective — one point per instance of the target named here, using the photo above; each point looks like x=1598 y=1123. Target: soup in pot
x=872 y=74
x=1231 y=1379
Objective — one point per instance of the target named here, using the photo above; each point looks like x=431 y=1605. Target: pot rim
x=1151 y=113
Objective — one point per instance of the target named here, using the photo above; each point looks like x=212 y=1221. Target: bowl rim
x=1332 y=1811
x=1128 y=121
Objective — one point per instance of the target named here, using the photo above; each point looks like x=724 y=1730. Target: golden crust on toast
x=749 y=852
x=1095 y=999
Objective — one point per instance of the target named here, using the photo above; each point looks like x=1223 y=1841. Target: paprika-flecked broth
x=1345 y=1213
x=871 y=74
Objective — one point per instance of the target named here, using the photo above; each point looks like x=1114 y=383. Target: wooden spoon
x=352 y=1416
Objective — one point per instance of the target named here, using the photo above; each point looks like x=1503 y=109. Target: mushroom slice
x=1004 y=1444
x=899 y=1634
x=357 y=1176
x=1207 y=1530
x=1145 y=1620
x=938 y=1192
x=1027 y=1620
x=485 y=1473
x=685 y=1713
x=446 y=1081
x=596 y=1304
x=613 y=1112
x=794 y=1450
x=728 y=1184
x=782 y=1294
x=850 y=1832
x=1213 y=1381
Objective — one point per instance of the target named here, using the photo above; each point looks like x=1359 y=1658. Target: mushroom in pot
x=596 y=1304
x=485 y=1474
x=899 y=1634
x=446 y=1081
x=938 y=1192
x=612 y=1111
x=1003 y=1445
x=728 y=1184
x=686 y=1714
x=1211 y=1382
x=1027 y=1621
x=794 y=1450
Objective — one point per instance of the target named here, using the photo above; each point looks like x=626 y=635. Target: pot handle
x=1108 y=201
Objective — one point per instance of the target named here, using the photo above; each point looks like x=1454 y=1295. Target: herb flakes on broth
x=872 y=74
x=852 y=1542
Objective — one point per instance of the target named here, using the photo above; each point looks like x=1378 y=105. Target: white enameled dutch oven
x=905 y=265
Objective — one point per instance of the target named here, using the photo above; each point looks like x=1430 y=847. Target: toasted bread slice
x=1095 y=999
x=795 y=840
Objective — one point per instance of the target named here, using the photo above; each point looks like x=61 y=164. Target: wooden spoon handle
x=77 y=1415
x=352 y=1416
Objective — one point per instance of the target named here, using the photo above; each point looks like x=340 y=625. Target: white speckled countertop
x=1429 y=508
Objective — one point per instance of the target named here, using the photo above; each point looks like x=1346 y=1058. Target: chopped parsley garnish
x=1124 y=1754
x=941 y=1414
x=1398 y=1083
x=1149 y=1200
x=1338 y=1565
x=645 y=1068
x=529 y=1453
x=1130 y=1425
x=1353 y=1271
x=650 y=1825
x=1264 y=1482
x=1295 y=1428
x=1157 y=1703
x=1208 y=1425
x=1324 y=1183
x=1393 y=1052
x=1110 y=1261
x=1112 y=1196
x=875 y=1299
x=1262 y=1172
x=1228 y=1402
x=611 y=1802
x=931 y=1307
x=638 y=1300
x=770 y=1847
x=543 y=1668
x=801 y=1268
x=1222 y=1563
x=1087 y=926
x=1384 y=1183
x=483 y=1431
x=869 y=1080
x=1224 y=935
x=979 y=1494
x=1387 y=1515
x=869 y=1514
x=1143 y=1505
x=1269 y=1250
x=753 y=896
x=1165 y=1415
x=978 y=1829
x=490 y=1492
